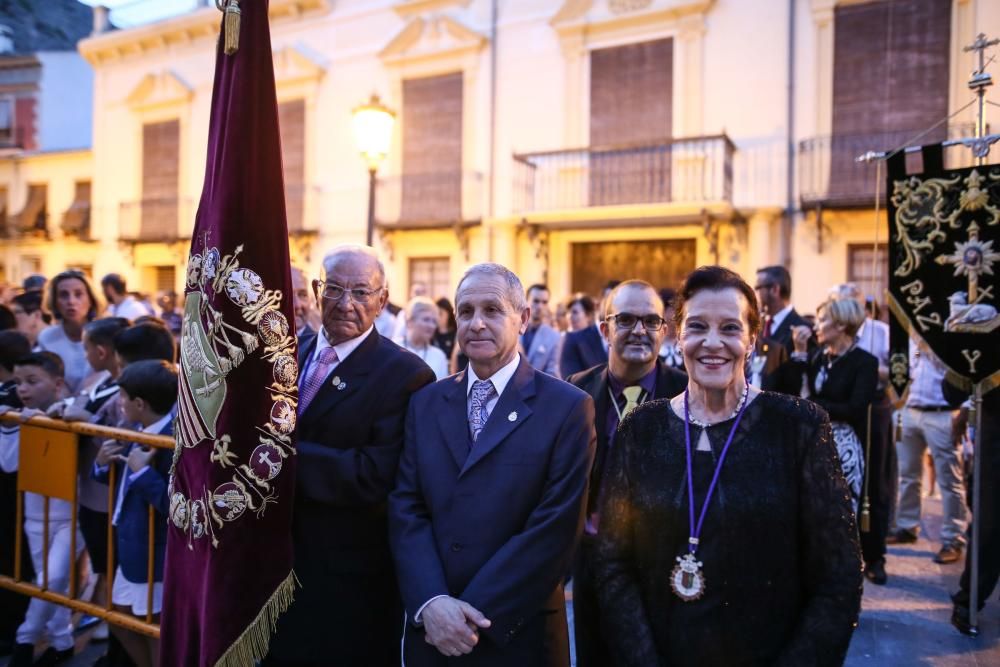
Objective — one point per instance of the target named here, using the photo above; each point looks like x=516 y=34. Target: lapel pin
x=335 y=381
x=512 y=417
x=342 y=386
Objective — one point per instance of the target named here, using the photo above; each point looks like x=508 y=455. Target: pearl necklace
x=736 y=411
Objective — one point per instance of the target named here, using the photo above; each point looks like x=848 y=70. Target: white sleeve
x=10 y=438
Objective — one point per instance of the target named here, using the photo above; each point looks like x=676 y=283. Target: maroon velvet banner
x=229 y=554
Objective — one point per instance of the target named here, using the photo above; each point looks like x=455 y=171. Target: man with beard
x=634 y=373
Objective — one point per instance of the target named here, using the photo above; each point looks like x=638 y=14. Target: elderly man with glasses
x=634 y=373
x=355 y=387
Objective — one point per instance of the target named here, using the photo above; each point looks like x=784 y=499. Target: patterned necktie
x=317 y=373
x=631 y=395
x=482 y=392
x=767 y=327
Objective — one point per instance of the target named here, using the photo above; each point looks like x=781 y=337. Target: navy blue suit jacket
x=581 y=350
x=495 y=525
x=132 y=529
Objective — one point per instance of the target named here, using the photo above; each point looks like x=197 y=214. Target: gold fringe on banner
x=252 y=644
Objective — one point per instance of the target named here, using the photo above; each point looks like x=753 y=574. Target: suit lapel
x=598 y=390
x=508 y=414
x=307 y=343
x=453 y=419
x=350 y=372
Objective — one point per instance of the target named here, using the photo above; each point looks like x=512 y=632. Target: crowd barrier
x=49 y=453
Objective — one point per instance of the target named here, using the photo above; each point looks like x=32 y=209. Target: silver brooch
x=512 y=417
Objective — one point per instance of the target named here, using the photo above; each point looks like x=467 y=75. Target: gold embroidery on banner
x=211 y=348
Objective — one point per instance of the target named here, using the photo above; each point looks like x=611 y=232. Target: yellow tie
x=631 y=395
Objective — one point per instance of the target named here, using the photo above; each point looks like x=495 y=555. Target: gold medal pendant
x=687 y=581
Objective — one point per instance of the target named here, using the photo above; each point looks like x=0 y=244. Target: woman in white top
x=73 y=304
x=421 y=325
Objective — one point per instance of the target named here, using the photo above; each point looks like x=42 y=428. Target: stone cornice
x=436 y=37
x=407 y=8
x=201 y=24
x=584 y=16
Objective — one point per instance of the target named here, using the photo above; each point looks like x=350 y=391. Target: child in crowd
x=13 y=346
x=40 y=383
x=147 y=391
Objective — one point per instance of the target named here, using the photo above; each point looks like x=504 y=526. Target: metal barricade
x=47 y=466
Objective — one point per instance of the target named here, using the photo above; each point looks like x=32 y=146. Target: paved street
x=903 y=623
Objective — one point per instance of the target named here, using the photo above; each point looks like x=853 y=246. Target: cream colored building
x=573 y=140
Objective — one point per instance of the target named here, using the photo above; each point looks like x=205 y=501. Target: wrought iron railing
x=690 y=170
x=830 y=175
x=431 y=199
x=157 y=220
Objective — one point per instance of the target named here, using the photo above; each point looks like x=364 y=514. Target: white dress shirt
x=779 y=317
x=343 y=350
x=926 y=374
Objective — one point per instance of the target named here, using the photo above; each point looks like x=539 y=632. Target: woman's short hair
x=584 y=301
x=847 y=313
x=54 y=293
x=418 y=304
x=444 y=304
x=716 y=278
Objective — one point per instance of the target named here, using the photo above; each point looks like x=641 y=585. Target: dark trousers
x=591 y=649
x=12 y=605
x=988 y=518
x=881 y=480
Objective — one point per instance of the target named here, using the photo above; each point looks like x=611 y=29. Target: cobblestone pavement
x=904 y=623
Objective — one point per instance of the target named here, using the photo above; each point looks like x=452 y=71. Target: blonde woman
x=421 y=325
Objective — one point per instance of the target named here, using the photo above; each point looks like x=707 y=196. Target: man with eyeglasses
x=774 y=345
x=633 y=374
x=354 y=389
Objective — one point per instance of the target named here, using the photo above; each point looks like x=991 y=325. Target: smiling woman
x=727 y=535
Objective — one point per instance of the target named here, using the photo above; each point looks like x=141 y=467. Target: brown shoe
x=949 y=553
x=901 y=536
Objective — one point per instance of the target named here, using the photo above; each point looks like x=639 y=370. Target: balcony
x=830 y=177
x=432 y=200
x=693 y=171
x=155 y=220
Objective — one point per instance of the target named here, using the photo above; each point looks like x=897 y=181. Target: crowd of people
x=715 y=473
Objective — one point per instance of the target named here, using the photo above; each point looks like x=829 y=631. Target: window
x=435 y=273
x=160 y=177
x=166 y=277
x=432 y=149
x=859 y=269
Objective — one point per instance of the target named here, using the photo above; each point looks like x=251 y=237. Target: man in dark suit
x=634 y=373
x=774 y=291
x=489 y=497
x=354 y=390
x=582 y=349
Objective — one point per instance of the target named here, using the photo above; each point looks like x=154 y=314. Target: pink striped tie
x=327 y=357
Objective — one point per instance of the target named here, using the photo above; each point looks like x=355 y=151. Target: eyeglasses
x=335 y=292
x=628 y=320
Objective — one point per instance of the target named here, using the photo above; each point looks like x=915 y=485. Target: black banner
x=944 y=251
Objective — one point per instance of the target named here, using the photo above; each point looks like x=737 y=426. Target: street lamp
x=373 y=132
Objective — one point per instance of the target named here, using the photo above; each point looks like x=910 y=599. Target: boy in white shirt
x=40 y=383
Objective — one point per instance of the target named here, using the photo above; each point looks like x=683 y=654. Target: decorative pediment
x=297 y=63
x=161 y=89
x=580 y=15
x=413 y=7
x=432 y=37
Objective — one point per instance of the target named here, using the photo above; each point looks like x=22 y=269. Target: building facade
x=575 y=141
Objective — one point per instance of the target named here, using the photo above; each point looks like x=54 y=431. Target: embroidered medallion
x=687 y=580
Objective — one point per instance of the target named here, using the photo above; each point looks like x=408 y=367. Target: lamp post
x=373 y=131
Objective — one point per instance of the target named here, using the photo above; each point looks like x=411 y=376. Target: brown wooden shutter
x=160 y=180
x=631 y=102
x=432 y=149
x=291 y=123
x=890 y=82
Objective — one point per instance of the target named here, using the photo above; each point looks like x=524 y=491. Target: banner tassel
x=252 y=645
x=231 y=28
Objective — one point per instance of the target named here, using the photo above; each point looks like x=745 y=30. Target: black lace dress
x=779 y=545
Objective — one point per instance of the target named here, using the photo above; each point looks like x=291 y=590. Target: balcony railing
x=431 y=200
x=830 y=176
x=155 y=220
x=692 y=170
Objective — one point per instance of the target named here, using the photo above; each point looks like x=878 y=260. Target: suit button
x=455 y=546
